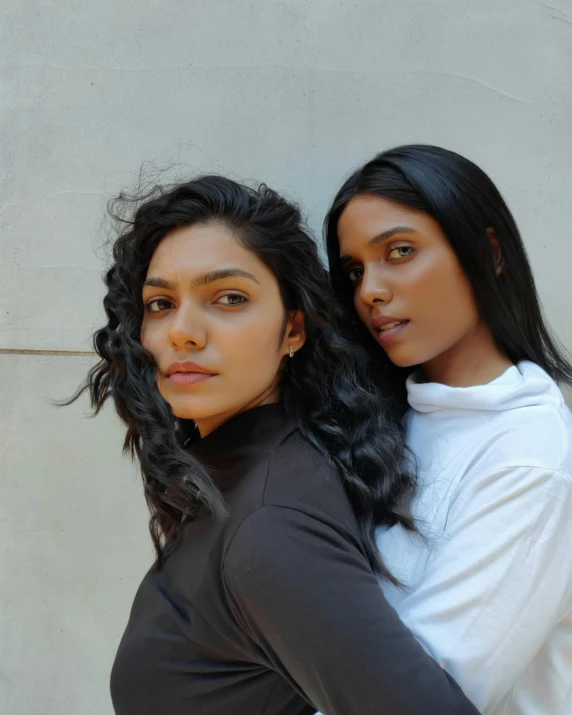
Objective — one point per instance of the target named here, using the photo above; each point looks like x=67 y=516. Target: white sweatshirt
x=490 y=586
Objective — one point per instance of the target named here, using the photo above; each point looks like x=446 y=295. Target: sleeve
x=306 y=596
x=500 y=582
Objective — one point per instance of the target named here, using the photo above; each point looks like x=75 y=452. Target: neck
x=474 y=360
x=209 y=424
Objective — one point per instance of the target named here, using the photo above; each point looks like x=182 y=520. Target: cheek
x=247 y=345
x=253 y=342
x=144 y=337
x=446 y=299
x=361 y=308
x=150 y=342
x=150 y=339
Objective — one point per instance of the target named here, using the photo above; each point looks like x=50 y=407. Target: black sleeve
x=306 y=596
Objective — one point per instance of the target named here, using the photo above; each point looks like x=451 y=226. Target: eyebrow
x=204 y=279
x=381 y=237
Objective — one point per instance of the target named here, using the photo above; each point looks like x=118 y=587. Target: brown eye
x=158 y=305
x=232 y=299
x=355 y=275
x=400 y=252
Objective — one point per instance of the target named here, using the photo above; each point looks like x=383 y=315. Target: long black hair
x=466 y=204
x=327 y=388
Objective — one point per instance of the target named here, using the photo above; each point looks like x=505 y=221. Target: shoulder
x=523 y=461
x=524 y=434
x=303 y=502
x=537 y=431
x=524 y=457
x=300 y=477
x=293 y=483
x=536 y=436
x=275 y=545
x=521 y=423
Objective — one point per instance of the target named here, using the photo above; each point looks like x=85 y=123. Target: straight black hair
x=466 y=204
x=327 y=388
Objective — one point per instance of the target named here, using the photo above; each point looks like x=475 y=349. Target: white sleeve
x=499 y=583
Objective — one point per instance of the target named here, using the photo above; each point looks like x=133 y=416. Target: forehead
x=200 y=248
x=368 y=215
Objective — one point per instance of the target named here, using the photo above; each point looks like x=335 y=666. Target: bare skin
x=404 y=270
x=214 y=322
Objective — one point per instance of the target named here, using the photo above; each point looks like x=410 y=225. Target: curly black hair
x=328 y=389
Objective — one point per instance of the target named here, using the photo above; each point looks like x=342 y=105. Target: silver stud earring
x=291 y=353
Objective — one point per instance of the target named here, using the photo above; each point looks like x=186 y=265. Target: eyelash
x=243 y=299
x=391 y=250
x=397 y=248
x=349 y=274
x=156 y=301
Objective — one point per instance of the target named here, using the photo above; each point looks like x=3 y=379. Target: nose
x=187 y=329
x=374 y=289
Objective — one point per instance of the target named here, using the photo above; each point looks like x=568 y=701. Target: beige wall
x=294 y=93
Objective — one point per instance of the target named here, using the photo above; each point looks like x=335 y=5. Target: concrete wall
x=294 y=93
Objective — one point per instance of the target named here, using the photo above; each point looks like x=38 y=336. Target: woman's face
x=214 y=322
x=410 y=290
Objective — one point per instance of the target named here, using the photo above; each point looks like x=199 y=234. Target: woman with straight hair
x=268 y=456
x=432 y=278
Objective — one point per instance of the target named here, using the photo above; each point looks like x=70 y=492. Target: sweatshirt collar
x=521 y=385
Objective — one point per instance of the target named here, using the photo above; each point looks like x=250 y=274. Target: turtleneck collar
x=520 y=385
x=232 y=449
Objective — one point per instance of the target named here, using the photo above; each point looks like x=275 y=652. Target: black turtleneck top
x=275 y=610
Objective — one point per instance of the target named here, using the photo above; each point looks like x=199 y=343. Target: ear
x=496 y=249
x=295 y=334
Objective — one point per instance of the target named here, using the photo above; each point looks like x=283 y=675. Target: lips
x=187 y=366
x=388 y=329
x=389 y=326
x=189 y=378
x=386 y=322
x=186 y=373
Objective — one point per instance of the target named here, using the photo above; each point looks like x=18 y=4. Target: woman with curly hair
x=269 y=456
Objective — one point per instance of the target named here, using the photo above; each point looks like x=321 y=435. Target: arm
x=498 y=585
x=306 y=596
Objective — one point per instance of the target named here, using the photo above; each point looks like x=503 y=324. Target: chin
x=402 y=358
x=183 y=414
x=185 y=409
